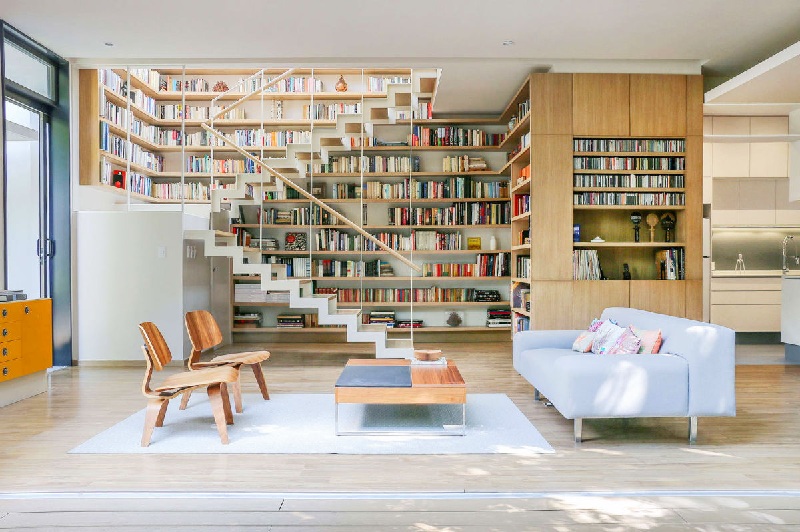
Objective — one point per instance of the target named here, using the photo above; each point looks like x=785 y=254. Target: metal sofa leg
x=693 y=429
x=535 y=394
x=578 y=426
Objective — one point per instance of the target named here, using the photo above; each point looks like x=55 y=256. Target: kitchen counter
x=752 y=273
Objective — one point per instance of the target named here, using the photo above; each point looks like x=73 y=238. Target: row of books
x=628 y=163
x=462 y=213
x=463 y=163
x=521 y=323
x=460 y=187
x=521 y=297
x=386 y=317
x=586 y=265
x=453 y=136
x=329 y=239
x=636 y=145
x=671 y=264
x=123 y=149
x=252 y=293
x=297 y=216
x=432 y=294
x=204 y=163
x=629 y=198
x=523 y=267
x=524 y=174
x=329 y=111
x=522 y=204
x=630 y=180
x=498 y=318
x=366 y=163
x=486 y=265
x=524 y=142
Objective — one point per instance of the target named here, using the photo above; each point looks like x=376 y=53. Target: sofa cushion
x=605 y=337
x=651 y=340
x=586 y=385
x=628 y=343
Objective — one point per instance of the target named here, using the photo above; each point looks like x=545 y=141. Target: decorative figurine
x=341 y=85
x=636 y=218
x=668 y=224
x=626 y=272
x=454 y=320
x=220 y=86
x=652 y=221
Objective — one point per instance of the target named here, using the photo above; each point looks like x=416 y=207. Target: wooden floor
x=633 y=461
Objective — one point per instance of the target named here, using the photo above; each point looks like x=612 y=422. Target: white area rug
x=305 y=423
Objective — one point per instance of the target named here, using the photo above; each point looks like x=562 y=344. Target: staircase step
x=219 y=233
x=371 y=327
x=399 y=344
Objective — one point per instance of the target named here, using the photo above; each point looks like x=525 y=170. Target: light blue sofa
x=692 y=375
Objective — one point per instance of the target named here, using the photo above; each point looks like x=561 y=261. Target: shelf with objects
x=146 y=124
x=518 y=147
x=628 y=199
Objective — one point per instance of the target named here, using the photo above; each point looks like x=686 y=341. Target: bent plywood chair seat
x=215 y=380
x=204 y=333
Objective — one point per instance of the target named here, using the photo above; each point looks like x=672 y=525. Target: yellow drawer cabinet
x=26 y=348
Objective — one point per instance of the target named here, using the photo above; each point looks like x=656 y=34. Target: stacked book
x=249 y=293
x=498 y=318
x=586 y=265
x=291 y=321
x=265 y=244
x=382 y=316
x=247 y=321
x=408 y=324
x=487 y=296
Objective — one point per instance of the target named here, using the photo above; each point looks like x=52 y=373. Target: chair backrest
x=155 y=346
x=203 y=332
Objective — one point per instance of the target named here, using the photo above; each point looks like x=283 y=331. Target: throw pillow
x=651 y=340
x=627 y=343
x=583 y=344
x=605 y=337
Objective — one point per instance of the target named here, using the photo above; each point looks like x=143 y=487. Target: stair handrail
x=288 y=182
x=253 y=94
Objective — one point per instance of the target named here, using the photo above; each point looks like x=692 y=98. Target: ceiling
x=464 y=37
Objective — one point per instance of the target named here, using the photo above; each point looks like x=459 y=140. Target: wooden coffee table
x=400 y=382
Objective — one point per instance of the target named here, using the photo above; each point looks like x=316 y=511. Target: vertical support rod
x=578 y=426
x=693 y=430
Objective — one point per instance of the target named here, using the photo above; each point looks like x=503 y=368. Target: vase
x=341 y=85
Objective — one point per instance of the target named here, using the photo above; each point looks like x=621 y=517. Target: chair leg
x=237 y=395
x=162 y=413
x=262 y=384
x=154 y=410
x=577 y=429
x=693 y=430
x=226 y=403
x=215 y=397
x=185 y=399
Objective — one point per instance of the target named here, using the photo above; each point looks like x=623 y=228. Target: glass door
x=27 y=244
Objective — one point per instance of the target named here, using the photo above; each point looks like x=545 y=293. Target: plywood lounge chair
x=204 y=334
x=215 y=380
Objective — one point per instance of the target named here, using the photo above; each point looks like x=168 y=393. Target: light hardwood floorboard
x=640 y=470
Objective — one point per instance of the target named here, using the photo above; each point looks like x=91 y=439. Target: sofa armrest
x=562 y=339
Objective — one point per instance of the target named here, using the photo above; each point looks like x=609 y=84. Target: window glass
x=28 y=70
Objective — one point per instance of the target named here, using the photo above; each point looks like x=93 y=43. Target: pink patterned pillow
x=627 y=343
x=583 y=343
x=605 y=337
x=651 y=340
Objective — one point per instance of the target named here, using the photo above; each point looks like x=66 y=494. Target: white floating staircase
x=247 y=261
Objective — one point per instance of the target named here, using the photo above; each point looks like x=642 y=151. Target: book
x=296 y=242
x=474 y=242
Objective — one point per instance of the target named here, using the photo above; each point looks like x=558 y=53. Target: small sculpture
x=341 y=85
x=626 y=272
x=636 y=219
x=220 y=86
x=652 y=221
x=454 y=320
x=668 y=224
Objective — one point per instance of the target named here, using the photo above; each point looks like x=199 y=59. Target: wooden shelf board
x=626 y=172
x=524 y=280
x=630 y=207
x=524 y=152
x=423 y=148
x=521 y=247
x=522 y=311
x=629 y=154
x=460 y=120
x=522 y=127
x=522 y=216
x=524 y=186
x=436 y=304
x=627 y=189
x=415 y=252
x=385 y=278
x=628 y=244
x=402 y=174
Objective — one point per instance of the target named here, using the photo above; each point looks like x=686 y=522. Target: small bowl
x=427 y=355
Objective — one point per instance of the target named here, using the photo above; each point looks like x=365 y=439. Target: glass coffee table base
x=360 y=419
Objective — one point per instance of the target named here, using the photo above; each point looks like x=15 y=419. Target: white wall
x=123 y=280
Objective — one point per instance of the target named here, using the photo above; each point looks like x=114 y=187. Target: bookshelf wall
x=604 y=147
x=435 y=189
